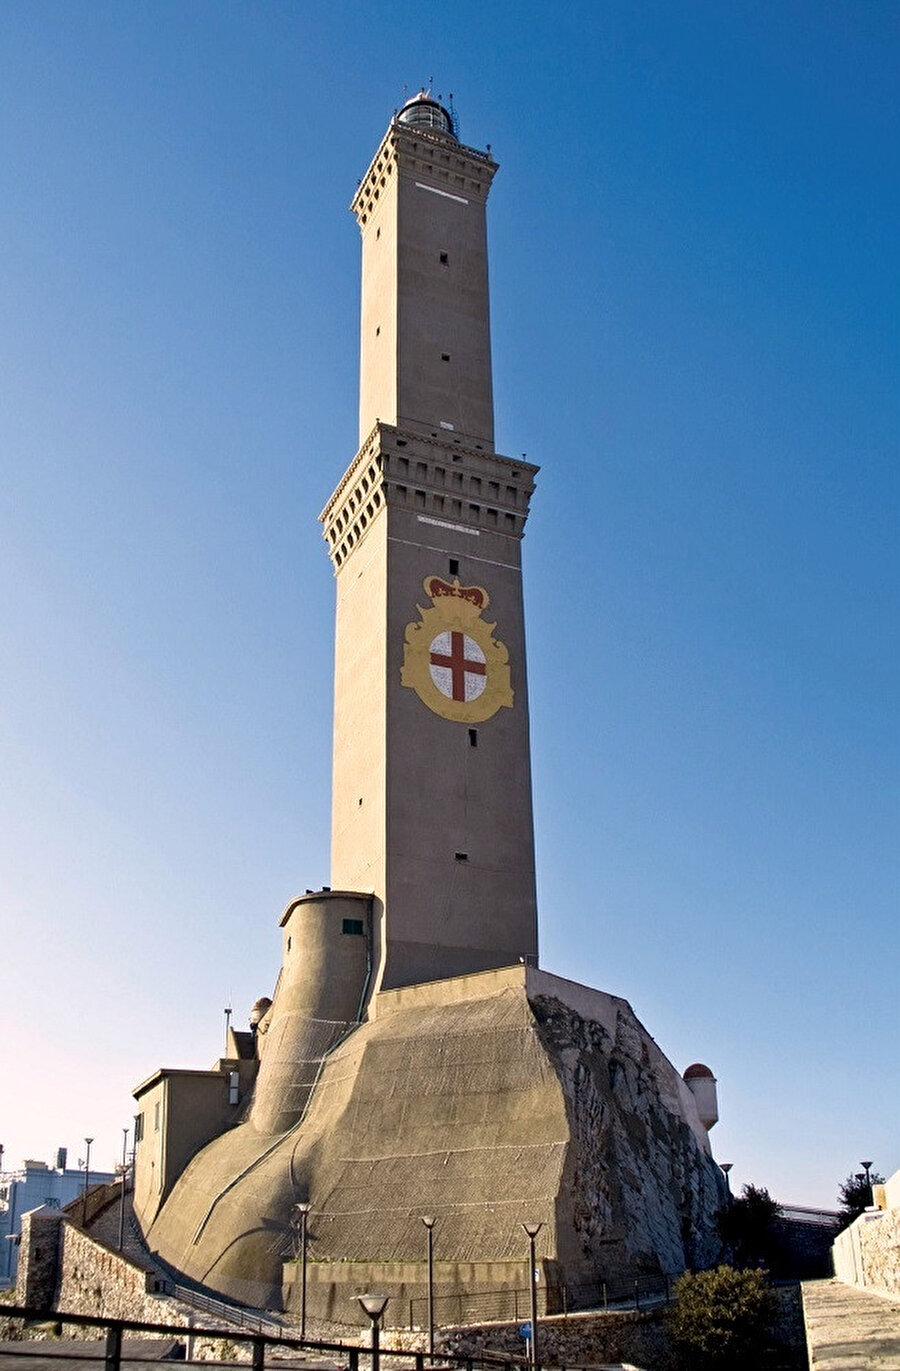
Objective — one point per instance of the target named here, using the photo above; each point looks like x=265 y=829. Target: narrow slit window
x=444 y=259
x=473 y=737
x=454 y=566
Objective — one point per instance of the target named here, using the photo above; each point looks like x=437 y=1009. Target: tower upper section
x=425 y=348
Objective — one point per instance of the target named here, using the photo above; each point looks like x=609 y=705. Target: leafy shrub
x=721 y=1318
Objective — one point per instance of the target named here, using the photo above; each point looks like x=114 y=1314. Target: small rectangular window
x=234 y=1087
x=353 y=926
x=454 y=567
x=473 y=737
x=156 y=1117
x=138 y=1127
x=444 y=259
x=462 y=856
x=445 y=356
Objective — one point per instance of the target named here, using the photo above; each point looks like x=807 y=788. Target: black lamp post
x=726 y=1167
x=867 y=1167
x=301 y=1214
x=374 y=1306
x=122 y=1196
x=87 y=1173
x=429 y=1222
x=532 y=1229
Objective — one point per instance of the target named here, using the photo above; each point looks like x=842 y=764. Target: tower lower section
x=484 y=1101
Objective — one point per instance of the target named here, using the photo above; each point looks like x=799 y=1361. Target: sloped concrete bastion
x=485 y=1100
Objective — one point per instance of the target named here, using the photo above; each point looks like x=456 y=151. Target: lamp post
x=867 y=1167
x=122 y=1196
x=301 y=1215
x=429 y=1222
x=726 y=1167
x=374 y=1306
x=87 y=1173
x=532 y=1229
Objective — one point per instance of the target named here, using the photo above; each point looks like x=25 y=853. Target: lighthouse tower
x=431 y=808
x=383 y=1081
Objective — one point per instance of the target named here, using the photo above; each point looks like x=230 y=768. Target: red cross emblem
x=457 y=665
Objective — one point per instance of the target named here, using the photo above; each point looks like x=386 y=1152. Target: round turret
x=424 y=113
x=259 y=1010
x=701 y=1082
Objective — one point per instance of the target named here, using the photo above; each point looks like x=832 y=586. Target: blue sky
x=694 y=293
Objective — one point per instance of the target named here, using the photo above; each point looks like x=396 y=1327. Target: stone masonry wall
x=95 y=1279
x=867 y=1254
x=36 y=1272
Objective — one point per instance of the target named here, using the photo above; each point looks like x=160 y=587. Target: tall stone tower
x=432 y=783
x=375 y=1089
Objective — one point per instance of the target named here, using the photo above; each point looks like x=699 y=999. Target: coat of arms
x=450 y=658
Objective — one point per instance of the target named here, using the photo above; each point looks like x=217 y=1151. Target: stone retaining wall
x=867 y=1254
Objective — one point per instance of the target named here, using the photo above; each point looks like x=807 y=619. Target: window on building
x=473 y=737
x=353 y=926
x=444 y=259
x=454 y=566
x=462 y=856
x=156 y=1112
x=234 y=1087
x=138 y=1127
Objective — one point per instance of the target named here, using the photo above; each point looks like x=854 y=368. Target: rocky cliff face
x=484 y=1100
x=640 y=1191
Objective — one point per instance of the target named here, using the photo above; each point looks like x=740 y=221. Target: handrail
x=115 y=1327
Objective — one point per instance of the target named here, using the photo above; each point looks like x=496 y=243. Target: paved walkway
x=80 y=1355
x=850 y=1330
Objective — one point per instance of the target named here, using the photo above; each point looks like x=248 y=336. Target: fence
x=253 y=1319
x=260 y=1344
x=510 y=1306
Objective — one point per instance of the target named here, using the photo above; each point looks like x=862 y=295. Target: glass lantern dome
x=424 y=113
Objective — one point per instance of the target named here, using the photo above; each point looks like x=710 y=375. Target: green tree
x=747 y=1227
x=855 y=1195
x=721 y=1319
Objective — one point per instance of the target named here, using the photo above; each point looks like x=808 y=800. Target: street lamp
x=532 y=1229
x=867 y=1167
x=122 y=1196
x=301 y=1214
x=429 y=1222
x=726 y=1167
x=87 y=1172
x=374 y=1306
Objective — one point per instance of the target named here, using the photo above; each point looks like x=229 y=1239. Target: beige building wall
x=425 y=347
x=181 y=1112
x=431 y=802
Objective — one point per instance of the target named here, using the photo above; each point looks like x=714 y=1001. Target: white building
x=34 y=1184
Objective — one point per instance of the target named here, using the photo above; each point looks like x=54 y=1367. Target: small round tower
x=701 y=1082
x=321 y=992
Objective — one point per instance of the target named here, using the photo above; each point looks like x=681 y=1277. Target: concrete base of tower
x=486 y=1100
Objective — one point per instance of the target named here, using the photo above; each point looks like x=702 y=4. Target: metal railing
x=256 y=1320
x=260 y=1344
x=510 y=1306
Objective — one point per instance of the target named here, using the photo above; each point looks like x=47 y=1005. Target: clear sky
x=695 y=321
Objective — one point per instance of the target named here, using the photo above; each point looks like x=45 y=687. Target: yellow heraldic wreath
x=451 y=660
